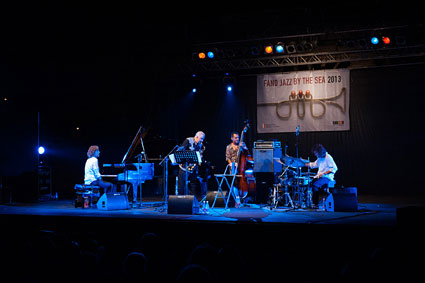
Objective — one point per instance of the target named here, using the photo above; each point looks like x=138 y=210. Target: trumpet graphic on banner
x=301 y=99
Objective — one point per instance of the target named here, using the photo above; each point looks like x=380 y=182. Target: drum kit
x=293 y=188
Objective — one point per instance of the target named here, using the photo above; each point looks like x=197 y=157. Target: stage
x=372 y=211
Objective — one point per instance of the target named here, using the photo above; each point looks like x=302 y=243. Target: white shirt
x=325 y=164
x=91 y=171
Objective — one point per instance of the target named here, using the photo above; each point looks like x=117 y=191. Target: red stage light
x=386 y=40
x=201 y=55
x=268 y=49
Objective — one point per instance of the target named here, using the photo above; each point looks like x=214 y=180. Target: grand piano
x=134 y=174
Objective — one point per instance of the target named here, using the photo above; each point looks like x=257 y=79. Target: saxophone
x=193 y=167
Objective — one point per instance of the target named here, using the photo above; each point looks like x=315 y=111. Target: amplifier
x=267 y=144
x=264 y=160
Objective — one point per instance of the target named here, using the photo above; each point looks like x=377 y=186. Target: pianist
x=91 y=171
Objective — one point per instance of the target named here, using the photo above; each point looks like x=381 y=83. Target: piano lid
x=138 y=139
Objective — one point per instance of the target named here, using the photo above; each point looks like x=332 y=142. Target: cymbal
x=277 y=159
x=293 y=161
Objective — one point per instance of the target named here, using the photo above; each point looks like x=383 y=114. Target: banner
x=314 y=100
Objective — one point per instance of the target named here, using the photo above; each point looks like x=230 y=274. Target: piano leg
x=137 y=193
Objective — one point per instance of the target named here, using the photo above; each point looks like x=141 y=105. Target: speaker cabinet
x=113 y=201
x=183 y=204
x=263 y=160
x=220 y=201
x=342 y=200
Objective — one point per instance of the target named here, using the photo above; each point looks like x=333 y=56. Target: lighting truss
x=354 y=51
x=290 y=60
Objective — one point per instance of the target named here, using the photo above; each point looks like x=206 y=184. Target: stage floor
x=372 y=211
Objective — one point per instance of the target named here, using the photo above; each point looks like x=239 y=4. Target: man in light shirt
x=327 y=169
x=91 y=170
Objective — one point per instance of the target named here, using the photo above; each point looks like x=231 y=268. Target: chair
x=221 y=178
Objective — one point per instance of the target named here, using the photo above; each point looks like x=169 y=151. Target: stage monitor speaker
x=264 y=162
x=183 y=204
x=220 y=201
x=113 y=201
x=341 y=202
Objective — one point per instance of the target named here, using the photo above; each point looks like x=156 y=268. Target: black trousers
x=316 y=186
x=105 y=186
x=196 y=186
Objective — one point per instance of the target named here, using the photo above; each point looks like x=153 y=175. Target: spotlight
x=279 y=48
x=268 y=49
x=229 y=83
x=201 y=55
x=309 y=46
x=400 y=40
x=255 y=50
x=193 y=90
x=362 y=43
x=290 y=48
x=374 y=40
x=386 y=40
x=41 y=150
x=210 y=54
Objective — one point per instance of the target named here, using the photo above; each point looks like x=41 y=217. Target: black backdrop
x=381 y=154
x=108 y=72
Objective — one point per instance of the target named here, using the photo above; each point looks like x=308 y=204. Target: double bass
x=246 y=182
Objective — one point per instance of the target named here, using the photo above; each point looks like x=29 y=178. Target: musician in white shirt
x=91 y=170
x=327 y=169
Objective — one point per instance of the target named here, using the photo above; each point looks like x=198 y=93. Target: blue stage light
x=210 y=54
x=279 y=48
x=193 y=90
x=374 y=40
x=41 y=150
x=229 y=88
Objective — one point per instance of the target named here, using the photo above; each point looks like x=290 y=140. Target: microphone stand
x=297 y=133
x=165 y=173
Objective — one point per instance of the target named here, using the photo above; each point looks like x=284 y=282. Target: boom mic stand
x=164 y=163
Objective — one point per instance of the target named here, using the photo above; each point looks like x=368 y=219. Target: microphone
x=297 y=132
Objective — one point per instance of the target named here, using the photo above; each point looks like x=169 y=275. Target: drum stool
x=86 y=195
x=329 y=186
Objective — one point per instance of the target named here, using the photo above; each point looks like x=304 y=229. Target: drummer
x=326 y=172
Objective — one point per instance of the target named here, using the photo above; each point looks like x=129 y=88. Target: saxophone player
x=193 y=144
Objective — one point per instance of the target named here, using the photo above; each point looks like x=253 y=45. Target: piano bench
x=86 y=195
x=83 y=187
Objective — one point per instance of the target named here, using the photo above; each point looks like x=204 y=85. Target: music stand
x=186 y=157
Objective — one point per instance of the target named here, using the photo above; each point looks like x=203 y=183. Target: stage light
x=279 y=48
x=193 y=90
x=374 y=40
x=201 y=55
x=229 y=88
x=309 y=46
x=268 y=49
x=210 y=54
x=255 y=50
x=386 y=40
x=290 y=48
x=41 y=150
x=400 y=40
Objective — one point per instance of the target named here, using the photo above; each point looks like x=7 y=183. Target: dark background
x=110 y=69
